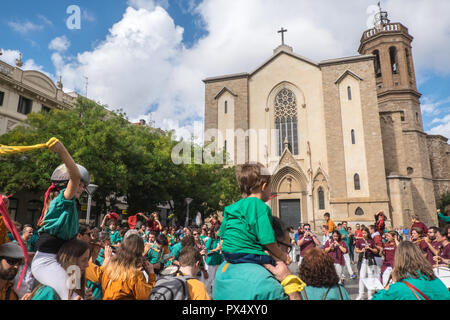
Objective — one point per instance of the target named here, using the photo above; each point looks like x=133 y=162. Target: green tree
x=124 y=160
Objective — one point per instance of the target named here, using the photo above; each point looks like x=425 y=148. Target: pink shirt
x=336 y=253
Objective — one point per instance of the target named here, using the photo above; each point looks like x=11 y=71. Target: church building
x=343 y=136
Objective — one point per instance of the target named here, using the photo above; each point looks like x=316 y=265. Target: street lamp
x=90 y=190
x=188 y=201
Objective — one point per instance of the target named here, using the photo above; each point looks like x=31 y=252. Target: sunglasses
x=13 y=261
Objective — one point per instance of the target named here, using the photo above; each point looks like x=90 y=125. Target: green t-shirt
x=176 y=250
x=45 y=293
x=100 y=258
x=214 y=258
x=433 y=289
x=444 y=218
x=247 y=227
x=61 y=219
x=114 y=236
x=246 y=281
x=96 y=290
x=345 y=238
x=316 y=293
x=155 y=255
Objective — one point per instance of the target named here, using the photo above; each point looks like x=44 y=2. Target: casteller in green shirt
x=45 y=293
x=61 y=219
x=246 y=281
x=247 y=227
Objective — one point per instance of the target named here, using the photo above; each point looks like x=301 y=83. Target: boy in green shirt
x=246 y=228
x=156 y=253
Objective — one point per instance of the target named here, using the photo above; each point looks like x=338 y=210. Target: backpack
x=171 y=288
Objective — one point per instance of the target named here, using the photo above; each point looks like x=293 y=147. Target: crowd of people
x=245 y=255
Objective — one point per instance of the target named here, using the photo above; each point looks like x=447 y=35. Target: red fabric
x=380 y=225
x=389 y=254
x=132 y=221
x=114 y=215
x=308 y=244
x=12 y=228
x=47 y=193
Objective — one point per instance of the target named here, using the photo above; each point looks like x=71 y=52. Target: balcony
x=387 y=28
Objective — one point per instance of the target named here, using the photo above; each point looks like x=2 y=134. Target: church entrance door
x=290 y=212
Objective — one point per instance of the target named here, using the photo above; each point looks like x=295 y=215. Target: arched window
x=353 y=137
x=286 y=120
x=321 y=197
x=226 y=106
x=377 y=65
x=225 y=146
x=356 y=181
x=359 y=211
x=349 y=93
x=393 y=57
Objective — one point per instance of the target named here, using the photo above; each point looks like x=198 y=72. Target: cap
x=11 y=250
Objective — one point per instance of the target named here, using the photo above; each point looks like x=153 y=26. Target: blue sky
x=188 y=40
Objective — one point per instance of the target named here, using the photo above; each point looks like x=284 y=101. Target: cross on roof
x=282 y=31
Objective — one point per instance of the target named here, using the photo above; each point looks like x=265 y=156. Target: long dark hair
x=339 y=235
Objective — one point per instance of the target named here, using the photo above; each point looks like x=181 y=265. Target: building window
x=34 y=211
x=286 y=120
x=349 y=93
x=393 y=57
x=321 y=196
x=377 y=65
x=2 y=96
x=24 y=106
x=402 y=116
x=353 y=137
x=410 y=170
x=356 y=181
x=13 y=207
x=226 y=106
x=359 y=211
x=417 y=117
x=225 y=146
x=47 y=110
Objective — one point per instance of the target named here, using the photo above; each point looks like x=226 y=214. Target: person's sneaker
x=353 y=276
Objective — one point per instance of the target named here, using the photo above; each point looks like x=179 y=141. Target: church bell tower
x=407 y=162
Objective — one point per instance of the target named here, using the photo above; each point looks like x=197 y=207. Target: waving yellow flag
x=5 y=150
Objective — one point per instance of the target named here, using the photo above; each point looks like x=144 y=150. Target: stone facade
x=361 y=146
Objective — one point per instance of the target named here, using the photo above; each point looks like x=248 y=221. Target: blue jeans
x=248 y=258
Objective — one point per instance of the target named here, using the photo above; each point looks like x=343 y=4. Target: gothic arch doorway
x=290 y=204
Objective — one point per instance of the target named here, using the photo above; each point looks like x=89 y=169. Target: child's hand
x=58 y=147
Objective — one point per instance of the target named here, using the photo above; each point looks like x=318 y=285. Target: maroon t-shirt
x=389 y=253
x=308 y=244
x=360 y=244
x=420 y=225
x=445 y=251
x=435 y=244
x=336 y=253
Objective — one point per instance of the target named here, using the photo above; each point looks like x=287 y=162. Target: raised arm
x=72 y=170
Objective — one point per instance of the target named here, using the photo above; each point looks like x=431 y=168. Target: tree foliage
x=124 y=160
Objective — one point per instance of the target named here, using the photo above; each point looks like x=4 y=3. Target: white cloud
x=442 y=129
x=59 y=44
x=143 y=62
x=149 y=5
x=24 y=27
